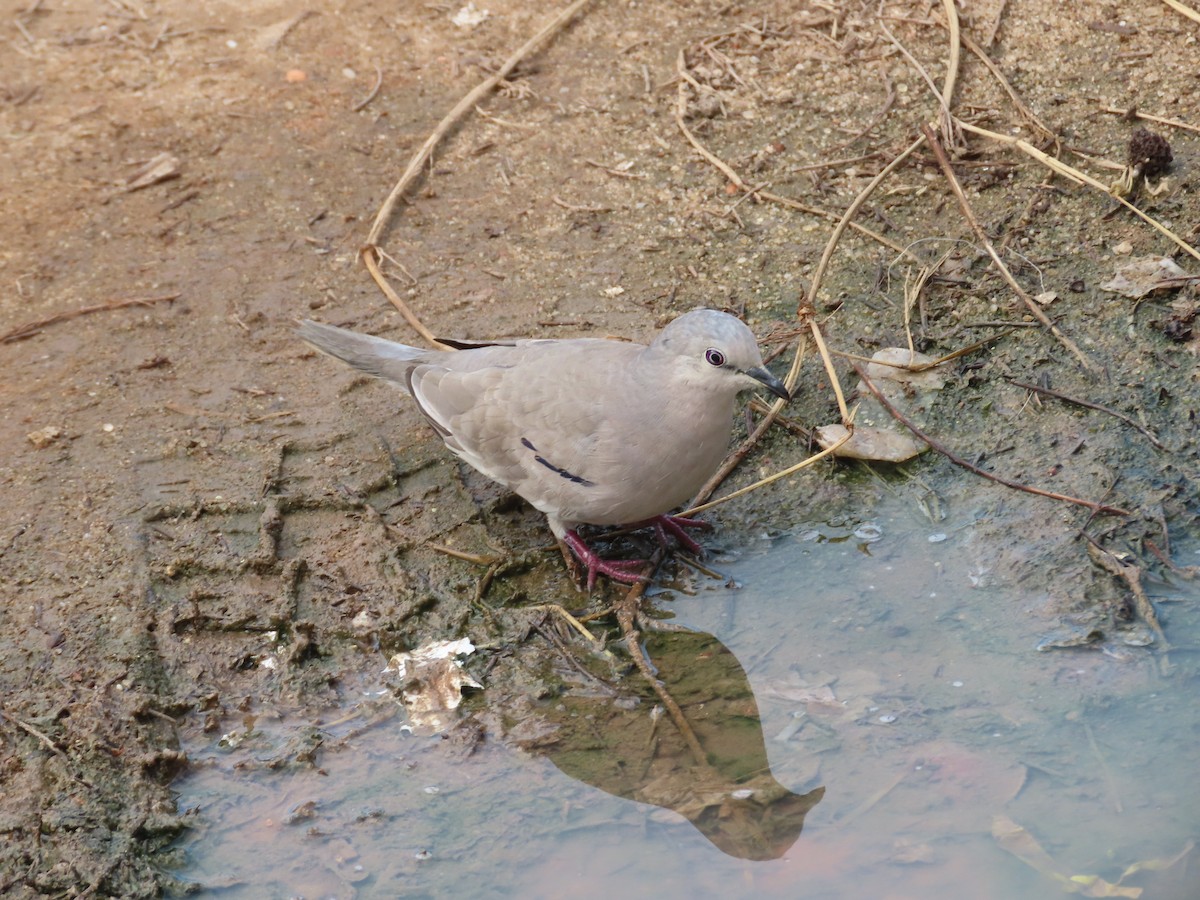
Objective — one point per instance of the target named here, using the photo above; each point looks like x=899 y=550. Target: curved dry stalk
x=626 y=610
x=924 y=367
x=970 y=467
x=770 y=479
x=1073 y=174
x=1183 y=10
x=1026 y=113
x=849 y=214
x=725 y=169
x=31 y=328
x=944 y=97
x=832 y=216
x=1132 y=575
x=1088 y=404
x=981 y=236
x=955 y=53
x=1137 y=114
x=369 y=252
x=834 y=382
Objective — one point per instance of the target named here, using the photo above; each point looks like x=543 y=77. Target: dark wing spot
x=570 y=476
x=473 y=345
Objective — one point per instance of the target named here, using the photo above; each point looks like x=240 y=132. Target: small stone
x=44 y=437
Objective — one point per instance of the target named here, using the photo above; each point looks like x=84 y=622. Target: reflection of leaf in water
x=622 y=748
x=1021 y=844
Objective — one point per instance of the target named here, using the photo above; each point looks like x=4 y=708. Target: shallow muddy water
x=891 y=667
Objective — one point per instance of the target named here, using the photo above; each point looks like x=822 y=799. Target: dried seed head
x=1150 y=152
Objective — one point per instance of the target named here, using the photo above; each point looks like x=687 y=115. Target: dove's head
x=716 y=350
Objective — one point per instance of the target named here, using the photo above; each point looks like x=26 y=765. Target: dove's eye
x=714 y=357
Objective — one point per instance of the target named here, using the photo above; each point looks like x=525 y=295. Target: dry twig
x=627 y=610
x=362 y=104
x=983 y=239
x=1138 y=114
x=1132 y=576
x=1183 y=10
x=370 y=251
x=959 y=461
x=31 y=328
x=1096 y=406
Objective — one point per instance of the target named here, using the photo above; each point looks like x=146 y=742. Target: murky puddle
x=919 y=745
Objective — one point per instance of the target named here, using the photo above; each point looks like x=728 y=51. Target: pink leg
x=675 y=525
x=626 y=571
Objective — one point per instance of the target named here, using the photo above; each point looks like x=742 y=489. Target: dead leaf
x=432 y=681
x=163 y=167
x=882 y=444
x=1146 y=274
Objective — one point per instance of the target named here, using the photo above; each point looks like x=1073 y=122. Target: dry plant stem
x=476 y=558
x=1187 y=573
x=945 y=119
x=29 y=729
x=626 y=610
x=1183 y=10
x=1026 y=113
x=31 y=328
x=791 y=470
x=826 y=214
x=829 y=369
x=959 y=461
x=849 y=214
x=362 y=104
x=1073 y=174
x=369 y=251
x=736 y=179
x=872 y=801
x=1133 y=113
x=1096 y=406
x=933 y=364
x=570 y=619
x=953 y=62
x=983 y=239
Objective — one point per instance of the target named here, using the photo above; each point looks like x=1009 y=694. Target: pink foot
x=675 y=525
x=626 y=571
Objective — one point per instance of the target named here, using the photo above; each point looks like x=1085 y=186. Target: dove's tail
x=373 y=355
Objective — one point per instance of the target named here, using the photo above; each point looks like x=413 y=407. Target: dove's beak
x=770 y=382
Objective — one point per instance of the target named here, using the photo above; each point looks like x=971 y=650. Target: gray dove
x=588 y=431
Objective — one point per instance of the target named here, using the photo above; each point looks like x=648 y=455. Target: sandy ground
x=190 y=492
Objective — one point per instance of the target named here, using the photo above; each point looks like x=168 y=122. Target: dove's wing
x=585 y=430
